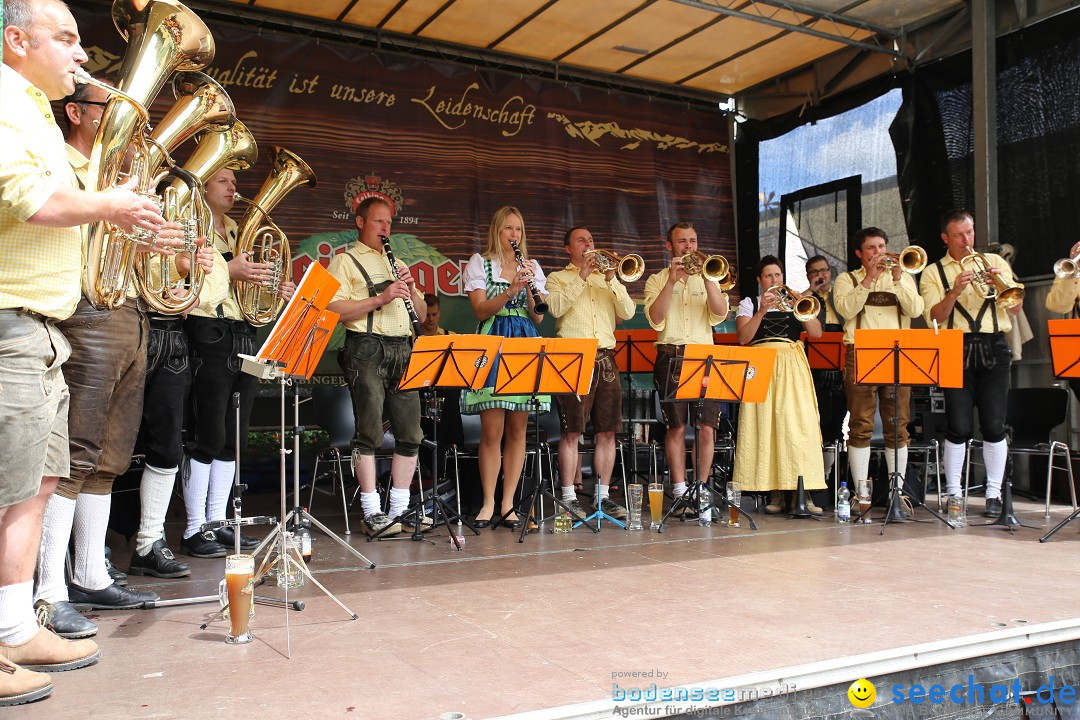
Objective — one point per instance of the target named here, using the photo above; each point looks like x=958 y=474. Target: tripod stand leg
x=302 y=566
x=1060 y=525
x=304 y=514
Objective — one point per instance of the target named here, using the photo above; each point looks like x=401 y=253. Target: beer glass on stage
x=865 y=492
x=633 y=505
x=656 y=504
x=734 y=498
x=238 y=572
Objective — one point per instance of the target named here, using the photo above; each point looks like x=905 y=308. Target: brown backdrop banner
x=453 y=144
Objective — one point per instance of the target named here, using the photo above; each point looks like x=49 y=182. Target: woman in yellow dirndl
x=779 y=439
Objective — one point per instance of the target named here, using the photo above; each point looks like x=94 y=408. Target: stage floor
x=503 y=628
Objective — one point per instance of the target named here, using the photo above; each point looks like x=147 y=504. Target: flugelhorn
x=711 y=267
x=1067 y=267
x=163 y=36
x=803 y=308
x=628 y=268
x=261 y=302
x=989 y=285
x=539 y=306
x=911 y=259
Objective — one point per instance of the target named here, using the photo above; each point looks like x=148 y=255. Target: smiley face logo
x=862 y=693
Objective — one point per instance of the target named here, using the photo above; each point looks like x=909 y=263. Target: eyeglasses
x=92 y=102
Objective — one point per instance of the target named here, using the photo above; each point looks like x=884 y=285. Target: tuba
x=162 y=36
x=201 y=105
x=261 y=302
x=628 y=268
x=803 y=308
x=911 y=259
x=989 y=285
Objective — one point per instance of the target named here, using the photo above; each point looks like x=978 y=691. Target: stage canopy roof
x=771 y=56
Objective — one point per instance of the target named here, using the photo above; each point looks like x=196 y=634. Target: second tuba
x=260 y=303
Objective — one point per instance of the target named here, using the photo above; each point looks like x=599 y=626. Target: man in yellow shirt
x=586 y=303
x=951 y=297
x=41 y=209
x=378 y=345
x=875 y=298
x=683 y=308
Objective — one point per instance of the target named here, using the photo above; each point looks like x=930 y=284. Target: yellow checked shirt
x=587 y=308
x=1063 y=295
x=391 y=320
x=213 y=294
x=689 y=319
x=933 y=292
x=40 y=266
x=850 y=297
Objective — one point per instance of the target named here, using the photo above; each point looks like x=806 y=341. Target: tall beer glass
x=865 y=493
x=656 y=504
x=734 y=498
x=238 y=572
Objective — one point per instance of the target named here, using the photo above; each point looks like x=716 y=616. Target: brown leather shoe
x=48 y=652
x=19 y=685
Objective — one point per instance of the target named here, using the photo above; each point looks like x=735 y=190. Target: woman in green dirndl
x=498 y=289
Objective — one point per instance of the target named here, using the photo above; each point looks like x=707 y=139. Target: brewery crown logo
x=372 y=185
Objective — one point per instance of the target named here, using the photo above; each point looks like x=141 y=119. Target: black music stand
x=543 y=366
x=446 y=361
x=888 y=357
x=705 y=378
x=636 y=350
x=1065 y=355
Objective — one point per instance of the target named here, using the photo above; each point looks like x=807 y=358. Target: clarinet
x=538 y=305
x=397 y=276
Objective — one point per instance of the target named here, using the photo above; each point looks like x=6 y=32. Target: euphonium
x=162 y=36
x=201 y=104
x=990 y=285
x=628 y=268
x=803 y=308
x=911 y=259
x=261 y=302
x=712 y=267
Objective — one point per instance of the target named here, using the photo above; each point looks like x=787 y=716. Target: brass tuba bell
x=261 y=302
x=163 y=36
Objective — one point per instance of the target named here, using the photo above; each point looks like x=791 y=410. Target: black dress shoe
x=481 y=524
x=159 y=562
x=993 y=508
x=227 y=537
x=514 y=524
x=117 y=577
x=113 y=597
x=203 y=545
x=64 y=620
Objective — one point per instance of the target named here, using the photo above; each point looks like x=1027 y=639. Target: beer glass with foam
x=238 y=572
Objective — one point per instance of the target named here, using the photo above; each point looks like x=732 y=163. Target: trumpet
x=1067 y=267
x=628 y=268
x=539 y=305
x=803 y=308
x=911 y=259
x=989 y=285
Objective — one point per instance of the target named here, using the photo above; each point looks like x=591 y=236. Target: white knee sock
x=195 y=490
x=370 y=503
x=55 y=534
x=830 y=459
x=601 y=492
x=953 y=459
x=221 y=483
x=155 y=491
x=399 y=501
x=18 y=624
x=890 y=462
x=995 y=455
x=91 y=523
x=678 y=489
x=858 y=463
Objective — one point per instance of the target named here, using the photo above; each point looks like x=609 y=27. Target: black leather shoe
x=481 y=524
x=993 y=508
x=113 y=597
x=159 y=562
x=227 y=537
x=117 y=577
x=203 y=545
x=64 y=620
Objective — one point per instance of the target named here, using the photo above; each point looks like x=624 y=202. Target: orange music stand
x=635 y=350
x=544 y=366
x=908 y=358
x=447 y=361
x=1065 y=348
x=726 y=339
x=826 y=352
